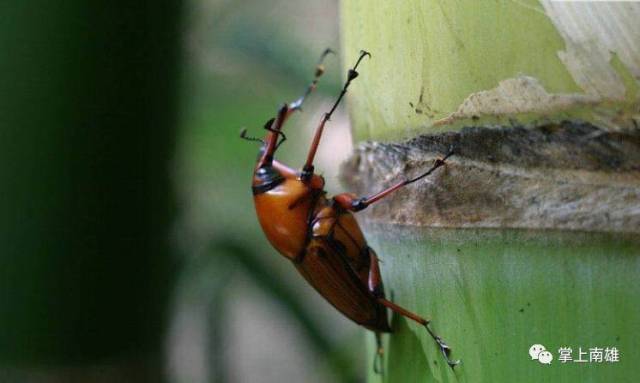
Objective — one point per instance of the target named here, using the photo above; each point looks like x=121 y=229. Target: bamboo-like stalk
x=537 y=211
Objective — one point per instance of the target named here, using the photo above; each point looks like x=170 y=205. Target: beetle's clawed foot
x=450 y=152
x=444 y=348
x=446 y=351
x=442 y=161
x=352 y=72
x=378 y=361
x=325 y=53
x=320 y=66
x=364 y=53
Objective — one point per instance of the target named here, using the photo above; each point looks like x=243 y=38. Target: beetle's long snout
x=275 y=136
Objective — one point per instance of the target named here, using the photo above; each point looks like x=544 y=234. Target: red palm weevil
x=320 y=235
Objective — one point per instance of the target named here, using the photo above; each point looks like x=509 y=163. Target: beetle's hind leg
x=444 y=348
x=378 y=358
x=375 y=286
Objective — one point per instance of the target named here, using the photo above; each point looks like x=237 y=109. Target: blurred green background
x=131 y=251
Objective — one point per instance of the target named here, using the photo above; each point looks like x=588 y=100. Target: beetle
x=319 y=234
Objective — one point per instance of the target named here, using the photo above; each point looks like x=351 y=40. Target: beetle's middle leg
x=353 y=203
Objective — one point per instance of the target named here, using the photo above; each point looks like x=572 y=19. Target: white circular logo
x=535 y=350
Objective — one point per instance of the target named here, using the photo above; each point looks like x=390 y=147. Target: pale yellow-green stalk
x=530 y=234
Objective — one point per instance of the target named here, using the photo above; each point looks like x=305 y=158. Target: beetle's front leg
x=307 y=169
x=297 y=104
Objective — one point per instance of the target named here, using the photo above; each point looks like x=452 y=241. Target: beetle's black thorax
x=265 y=179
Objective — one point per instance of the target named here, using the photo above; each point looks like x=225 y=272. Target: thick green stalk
x=537 y=210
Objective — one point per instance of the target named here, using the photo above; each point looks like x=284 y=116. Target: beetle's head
x=266 y=178
x=274 y=136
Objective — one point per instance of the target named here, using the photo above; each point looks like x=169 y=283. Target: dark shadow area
x=398 y=348
x=87 y=129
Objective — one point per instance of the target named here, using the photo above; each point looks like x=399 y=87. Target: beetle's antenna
x=307 y=169
x=297 y=104
x=243 y=135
